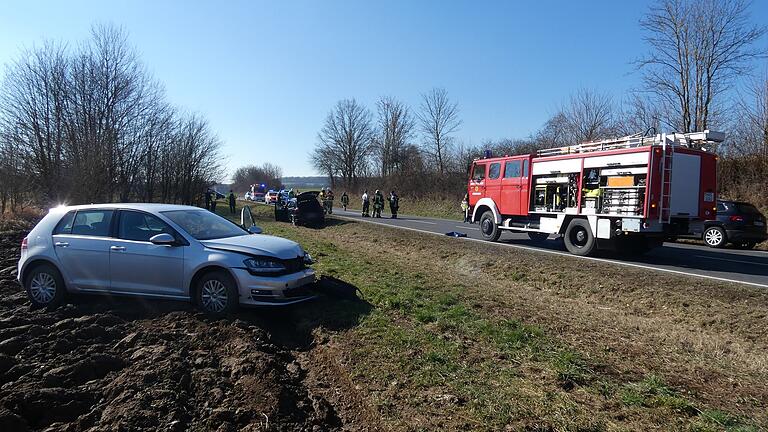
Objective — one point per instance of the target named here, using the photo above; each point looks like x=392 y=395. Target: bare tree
x=438 y=118
x=638 y=114
x=750 y=130
x=697 y=49
x=394 y=130
x=347 y=140
x=91 y=125
x=326 y=163
x=33 y=109
x=554 y=133
x=588 y=115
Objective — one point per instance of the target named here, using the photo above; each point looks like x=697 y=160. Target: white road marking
x=419 y=221
x=466 y=227
x=732 y=260
x=621 y=263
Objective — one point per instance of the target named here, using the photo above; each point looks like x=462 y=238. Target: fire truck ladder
x=692 y=139
x=665 y=204
x=636 y=140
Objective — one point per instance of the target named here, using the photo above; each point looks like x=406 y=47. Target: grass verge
x=469 y=337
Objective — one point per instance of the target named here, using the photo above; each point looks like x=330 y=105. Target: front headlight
x=308 y=259
x=264 y=265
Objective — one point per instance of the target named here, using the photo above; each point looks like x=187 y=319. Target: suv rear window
x=747 y=209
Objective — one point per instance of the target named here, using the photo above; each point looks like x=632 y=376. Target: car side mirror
x=253 y=229
x=163 y=239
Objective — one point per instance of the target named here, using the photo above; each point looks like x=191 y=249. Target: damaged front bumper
x=273 y=291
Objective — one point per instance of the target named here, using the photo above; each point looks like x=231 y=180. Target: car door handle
x=61 y=244
x=117 y=248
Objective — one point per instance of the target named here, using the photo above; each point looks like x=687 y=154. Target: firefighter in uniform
x=366 y=204
x=394 y=204
x=465 y=207
x=231 y=198
x=378 y=203
x=345 y=200
x=329 y=200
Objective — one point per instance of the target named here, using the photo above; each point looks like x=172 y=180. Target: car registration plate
x=759 y=223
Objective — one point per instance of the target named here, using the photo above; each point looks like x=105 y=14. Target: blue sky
x=266 y=73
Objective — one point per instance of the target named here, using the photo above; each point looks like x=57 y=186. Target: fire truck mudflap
x=624 y=194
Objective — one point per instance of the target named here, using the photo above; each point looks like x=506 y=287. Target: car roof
x=149 y=207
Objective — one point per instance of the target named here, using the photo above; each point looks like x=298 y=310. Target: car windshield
x=204 y=225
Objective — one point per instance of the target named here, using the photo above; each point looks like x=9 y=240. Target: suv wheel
x=216 y=294
x=488 y=228
x=715 y=237
x=579 y=239
x=45 y=286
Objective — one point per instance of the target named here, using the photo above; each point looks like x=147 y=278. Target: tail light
x=737 y=218
x=24 y=244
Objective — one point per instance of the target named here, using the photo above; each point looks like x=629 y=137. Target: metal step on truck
x=626 y=194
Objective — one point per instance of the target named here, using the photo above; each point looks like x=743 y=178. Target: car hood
x=258 y=244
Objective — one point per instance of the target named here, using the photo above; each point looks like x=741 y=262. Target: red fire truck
x=624 y=194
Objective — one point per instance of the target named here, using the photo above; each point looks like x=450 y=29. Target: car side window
x=65 y=224
x=141 y=226
x=512 y=169
x=494 y=171
x=92 y=223
x=525 y=168
x=721 y=207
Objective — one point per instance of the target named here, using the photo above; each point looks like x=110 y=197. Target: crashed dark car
x=305 y=210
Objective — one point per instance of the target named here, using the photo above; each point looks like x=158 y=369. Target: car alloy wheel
x=214 y=296
x=42 y=288
x=714 y=237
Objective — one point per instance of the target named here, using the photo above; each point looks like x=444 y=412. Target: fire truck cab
x=624 y=194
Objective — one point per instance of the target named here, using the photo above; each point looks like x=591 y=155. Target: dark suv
x=737 y=222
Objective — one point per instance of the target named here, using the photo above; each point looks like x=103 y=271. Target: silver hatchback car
x=161 y=251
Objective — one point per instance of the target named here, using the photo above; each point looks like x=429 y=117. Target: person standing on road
x=378 y=203
x=231 y=201
x=465 y=207
x=345 y=200
x=214 y=198
x=366 y=204
x=329 y=200
x=394 y=204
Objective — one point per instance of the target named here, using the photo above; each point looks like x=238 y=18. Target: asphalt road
x=730 y=265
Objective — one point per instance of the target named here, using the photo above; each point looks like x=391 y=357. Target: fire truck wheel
x=579 y=239
x=715 y=237
x=488 y=227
